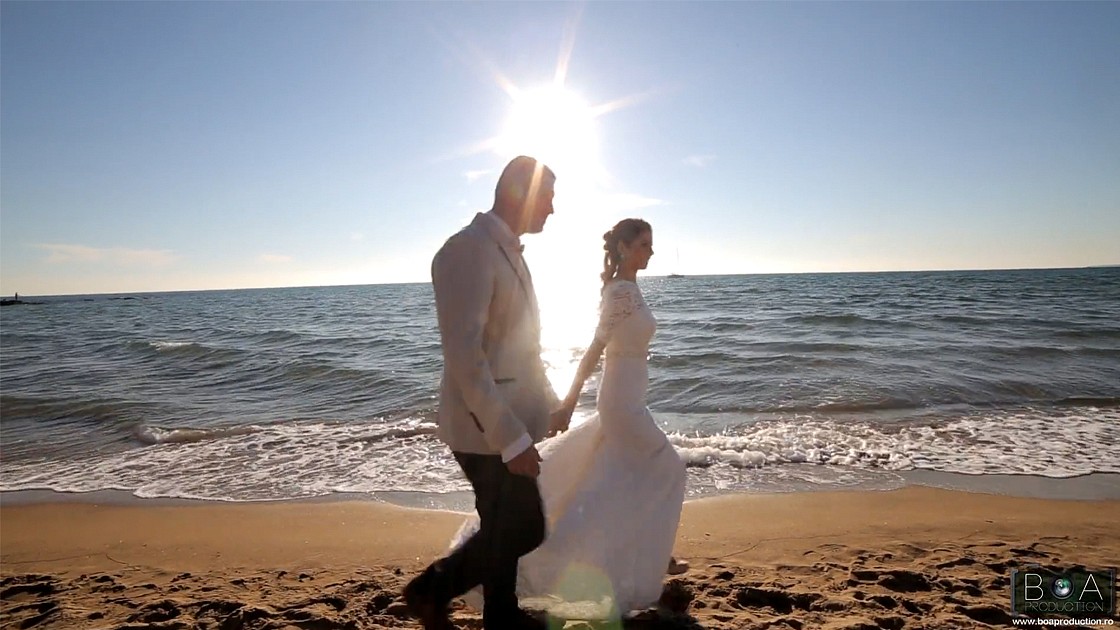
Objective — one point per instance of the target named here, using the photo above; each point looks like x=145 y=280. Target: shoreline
x=915 y=557
x=1090 y=487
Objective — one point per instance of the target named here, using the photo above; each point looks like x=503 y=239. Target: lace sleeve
x=619 y=302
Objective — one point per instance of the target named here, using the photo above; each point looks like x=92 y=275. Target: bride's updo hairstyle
x=624 y=232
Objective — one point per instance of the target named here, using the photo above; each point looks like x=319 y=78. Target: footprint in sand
x=781 y=602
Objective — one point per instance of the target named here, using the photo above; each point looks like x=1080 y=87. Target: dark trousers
x=512 y=525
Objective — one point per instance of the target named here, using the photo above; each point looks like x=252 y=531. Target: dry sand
x=911 y=558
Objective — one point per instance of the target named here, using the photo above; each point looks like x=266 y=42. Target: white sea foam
x=169 y=345
x=257 y=463
x=295 y=460
x=159 y=435
x=1065 y=443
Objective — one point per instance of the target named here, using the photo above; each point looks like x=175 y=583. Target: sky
x=164 y=146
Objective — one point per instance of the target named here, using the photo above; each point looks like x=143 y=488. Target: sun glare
x=554 y=125
x=558 y=127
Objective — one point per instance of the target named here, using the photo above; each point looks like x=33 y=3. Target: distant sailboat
x=678 y=266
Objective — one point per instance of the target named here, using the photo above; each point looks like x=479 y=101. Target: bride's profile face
x=638 y=252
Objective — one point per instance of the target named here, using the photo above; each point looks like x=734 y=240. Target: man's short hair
x=517 y=177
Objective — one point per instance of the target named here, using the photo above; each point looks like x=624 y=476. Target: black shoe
x=432 y=616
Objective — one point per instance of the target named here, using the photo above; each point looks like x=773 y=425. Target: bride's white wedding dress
x=612 y=486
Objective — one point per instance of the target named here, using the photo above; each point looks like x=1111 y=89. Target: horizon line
x=666 y=275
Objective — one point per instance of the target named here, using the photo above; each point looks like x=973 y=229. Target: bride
x=613 y=486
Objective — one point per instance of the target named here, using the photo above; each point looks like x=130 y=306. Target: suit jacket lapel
x=513 y=257
x=524 y=278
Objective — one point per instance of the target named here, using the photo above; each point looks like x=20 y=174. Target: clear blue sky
x=150 y=146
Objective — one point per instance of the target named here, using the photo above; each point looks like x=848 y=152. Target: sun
x=558 y=127
x=554 y=125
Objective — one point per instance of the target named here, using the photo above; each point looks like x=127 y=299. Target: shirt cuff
x=517 y=448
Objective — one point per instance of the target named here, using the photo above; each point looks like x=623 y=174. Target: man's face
x=539 y=206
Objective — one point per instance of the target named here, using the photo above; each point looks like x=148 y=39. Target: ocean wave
x=278 y=338
x=1102 y=334
x=1089 y=401
x=960 y=319
x=158 y=435
x=1023 y=442
x=296 y=460
x=99 y=411
x=693 y=360
x=191 y=350
x=737 y=325
x=871 y=408
x=804 y=347
x=281 y=461
x=401 y=433
x=841 y=319
x=305 y=371
x=772 y=386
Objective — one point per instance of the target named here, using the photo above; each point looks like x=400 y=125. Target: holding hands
x=562 y=417
x=558 y=422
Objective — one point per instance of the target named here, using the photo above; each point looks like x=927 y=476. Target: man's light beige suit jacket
x=494 y=388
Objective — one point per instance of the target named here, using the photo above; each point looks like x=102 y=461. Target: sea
x=989 y=381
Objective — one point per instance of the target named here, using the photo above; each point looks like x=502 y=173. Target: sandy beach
x=910 y=558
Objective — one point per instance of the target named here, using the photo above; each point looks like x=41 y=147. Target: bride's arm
x=618 y=303
x=586 y=368
x=560 y=419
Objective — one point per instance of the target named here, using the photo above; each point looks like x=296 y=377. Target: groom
x=495 y=401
